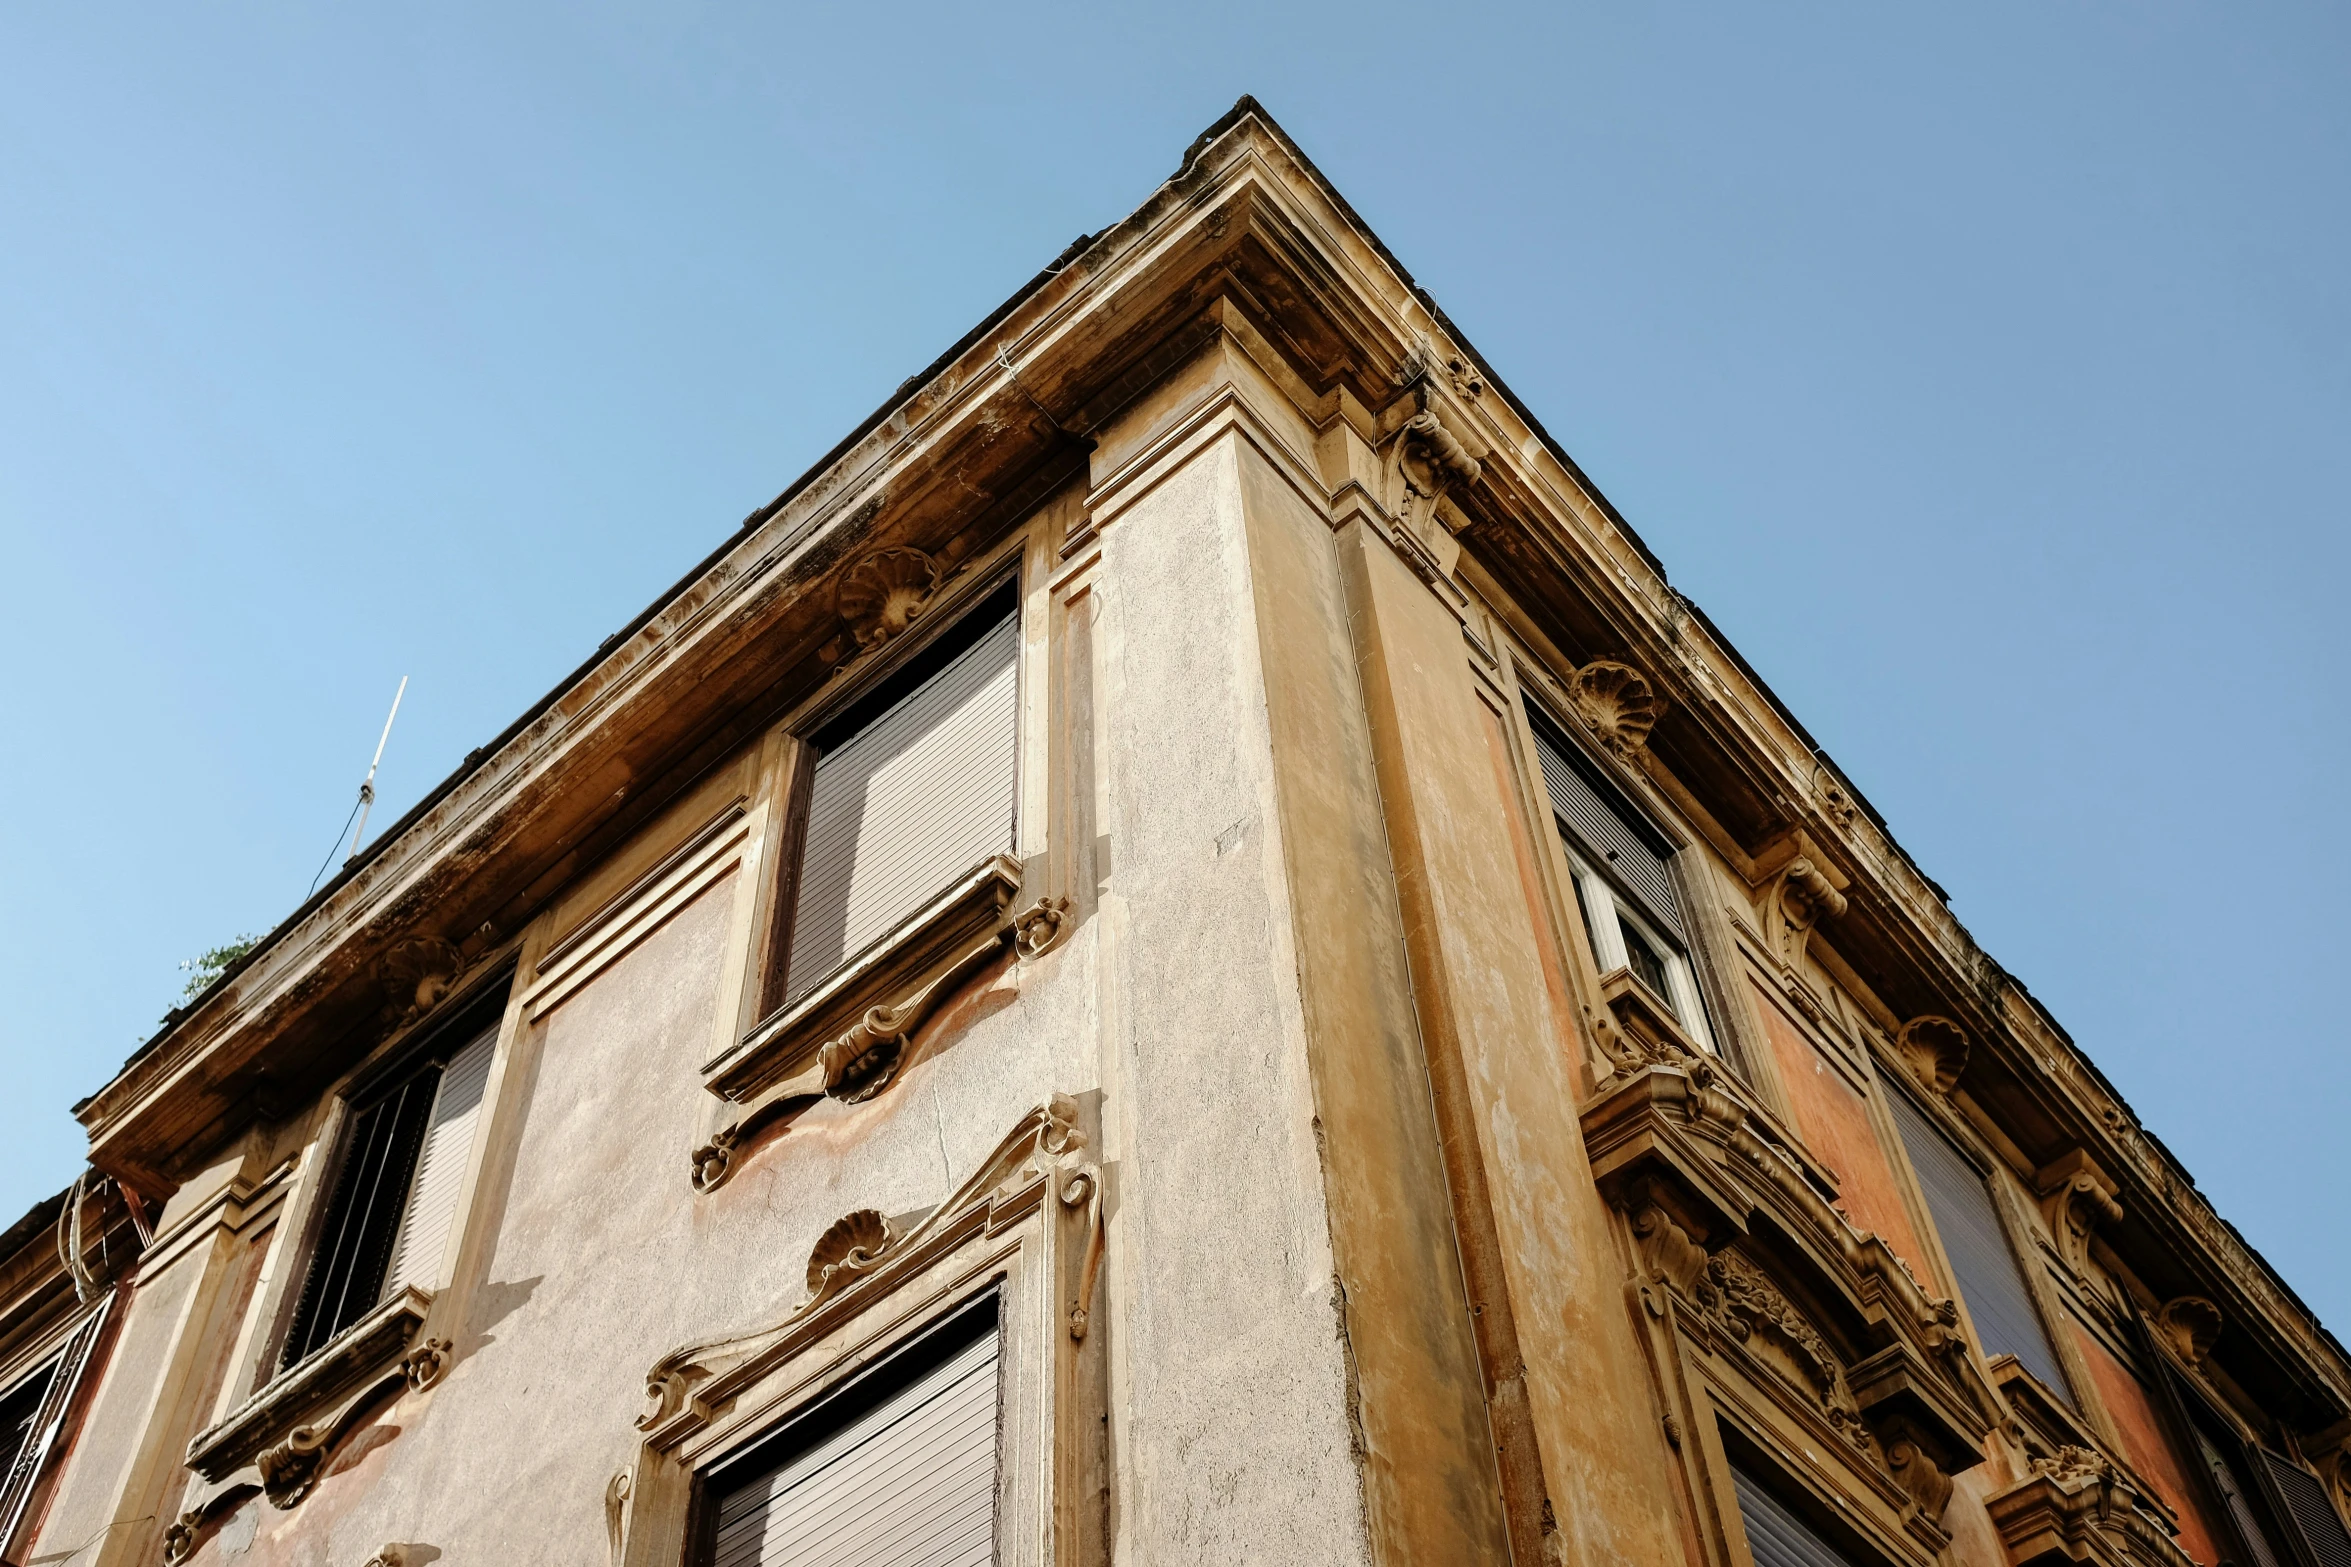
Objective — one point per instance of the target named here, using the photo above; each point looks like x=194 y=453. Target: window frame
x=784 y=1054
x=392 y=1341
x=1027 y=1223
x=1687 y=1002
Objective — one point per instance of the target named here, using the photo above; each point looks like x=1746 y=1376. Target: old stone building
x=1182 y=954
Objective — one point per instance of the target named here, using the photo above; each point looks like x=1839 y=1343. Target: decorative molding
x=287 y=1430
x=425 y=1365
x=2076 y=1198
x=2075 y=1508
x=1083 y=1188
x=1801 y=896
x=1935 y=1049
x=1618 y=705
x=418 y=972
x=854 y=1244
x=1742 y=1299
x=1835 y=803
x=852 y=1052
x=389 y=1554
x=1636 y=1032
x=616 y=1514
x=685 y=1387
x=885 y=593
x=2191 y=1325
x=1036 y=928
x=1911 y=1460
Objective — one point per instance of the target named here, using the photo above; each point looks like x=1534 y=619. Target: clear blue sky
x=1984 y=371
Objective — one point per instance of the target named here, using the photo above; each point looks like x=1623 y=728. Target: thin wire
x=337 y=844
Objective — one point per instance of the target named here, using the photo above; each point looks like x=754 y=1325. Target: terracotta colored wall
x=2146 y=1445
x=1834 y=1123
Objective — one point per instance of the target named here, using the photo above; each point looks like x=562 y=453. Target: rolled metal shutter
x=899 y=810
x=1606 y=826
x=1777 y=1536
x=2306 y=1503
x=423 y=1245
x=1987 y=1272
x=910 y=1483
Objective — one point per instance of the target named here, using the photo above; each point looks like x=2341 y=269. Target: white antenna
x=367 y=787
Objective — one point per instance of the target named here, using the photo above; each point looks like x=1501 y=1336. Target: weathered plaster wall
x=604 y=1258
x=1833 y=1119
x=1236 y=1438
x=2146 y=1446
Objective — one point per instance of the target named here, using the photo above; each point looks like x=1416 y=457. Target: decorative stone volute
x=2077 y=1197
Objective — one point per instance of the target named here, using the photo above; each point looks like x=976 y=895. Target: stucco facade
x=1345 y=1203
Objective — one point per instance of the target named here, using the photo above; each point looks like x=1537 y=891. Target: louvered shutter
x=1988 y=1276
x=354 y=1246
x=900 y=809
x=422 y=1248
x=1778 y=1536
x=47 y=1398
x=2242 y=1512
x=1606 y=826
x=2305 y=1499
x=909 y=1483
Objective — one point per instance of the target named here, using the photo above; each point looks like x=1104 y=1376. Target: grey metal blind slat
x=1608 y=832
x=2306 y=1499
x=911 y=1484
x=423 y=1245
x=895 y=813
x=1776 y=1535
x=1988 y=1275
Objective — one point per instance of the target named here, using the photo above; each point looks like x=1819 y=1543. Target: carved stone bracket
x=884 y=593
x=426 y=1364
x=1801 y=896
x=280 y=1438
x=1935 y=1048
x=1426 y=461
x=2074 y=1508
x=2077 y=1197
x=1038 y=927
x=1039 y=1155
x=914 y=973
x=1617 y=704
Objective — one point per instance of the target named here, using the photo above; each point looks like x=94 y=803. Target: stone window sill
x=278 y=1439
x=844 y=1040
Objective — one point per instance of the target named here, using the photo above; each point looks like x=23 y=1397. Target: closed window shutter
x=1778 y=1536
x=1607 y=826
x=1987 y=1271
x=33 y=1417
x=910 y=1482
x=2305 y=1499
x=2240 y=1506
x=422 y=1248
x=900 y=809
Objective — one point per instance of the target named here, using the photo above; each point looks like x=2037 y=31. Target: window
x=389 y=1217
x=913 y=785
x=897 y=1464
x=1778 y=1535
x=1622 y=886
x=33 y=1417
x=1984 y=1269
